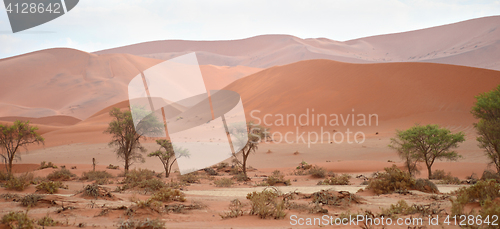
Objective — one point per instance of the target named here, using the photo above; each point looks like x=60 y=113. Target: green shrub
x=482 y=192
x=31 y=200
x=141 y=224
x=223 y=182
x=336 y=180
x=50 y=187
x=445 y=178
x=168 y=195
x=46 y=221
x=152 y=185
x=489 y=209
x=392 y=180
x=268 y=203
x=425 y=185
x=61 y=175
x=190 y=178
x=241 y=177
x=18 y=220
x=19 y=183
x=44 y=165
x=317 y=172
x=134 y=177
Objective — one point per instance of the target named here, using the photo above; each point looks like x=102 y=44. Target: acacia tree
x=256 y=133
x=427 y=144
x=20 y=134
x=126 y=137
x=166 y=154
x=487 y=110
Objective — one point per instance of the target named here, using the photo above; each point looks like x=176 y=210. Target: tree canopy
x=426 y=144
x=13 y=137
x=487 y=110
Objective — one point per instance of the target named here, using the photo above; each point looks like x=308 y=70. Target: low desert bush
x=241 y=177
x=303 y=166
x=222 y=165
x=50 y=187
x=425 y=185
x=18 y=220
x=482 y=192
x=44 y=165
x=268 y=203
x=46 y=221
x=61 y=175
x=31 y=200
x=317 y=172
x=336 y=180
x=235 y=210
x=141 y=224
x=490 y=208
x=142 y=178
x=224 y=182
x=95 y=191
x=111 y=166
x=276 y=178
x=490 y=175
x=392 y=180
x=4 y=176
x=151 y=185
x=168 y=195
x=19 y=183
x=445 y=178
x=190 y=178
x=99 y=177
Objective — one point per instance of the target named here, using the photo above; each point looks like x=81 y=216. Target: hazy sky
x=98 y=24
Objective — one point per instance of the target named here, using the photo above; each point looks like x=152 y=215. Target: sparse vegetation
x=490 y=175
x=482 y=192
x=336 y=180
x=276 y=178
x=44 y=165
x=61 y=175
x=235 y=210
x=425 y=185
x=46 y=221
x=317 y=172
x=19 y=183
x=111 y=166
x=31 y=200
x=190 y=178
x=95 y=191
x=141 y=224
x=223 y=182
x=18 y=220
x=100 y=177
x=392 y=180
x=142 y=178
x=268 y=204
x=168 y=195
x=255 y=134
x=50 y=187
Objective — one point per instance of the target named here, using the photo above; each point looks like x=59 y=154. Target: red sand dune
x=72 y=85
x=472 y=43
x=401 y=94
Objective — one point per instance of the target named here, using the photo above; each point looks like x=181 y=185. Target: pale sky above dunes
x=99 y=24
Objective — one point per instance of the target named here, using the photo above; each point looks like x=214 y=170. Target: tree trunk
x=244 y=164
x=9 y=170
x=429 y=171
x=126 y=165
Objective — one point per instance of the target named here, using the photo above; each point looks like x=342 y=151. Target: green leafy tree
x=127 y=137
x=256 y=133
x=487 y=110
x=427 y=144
x=166 y=154
x=13 y=137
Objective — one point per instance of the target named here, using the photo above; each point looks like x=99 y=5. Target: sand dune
x=401 y=94
x=68 y=82
x=470 y=43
